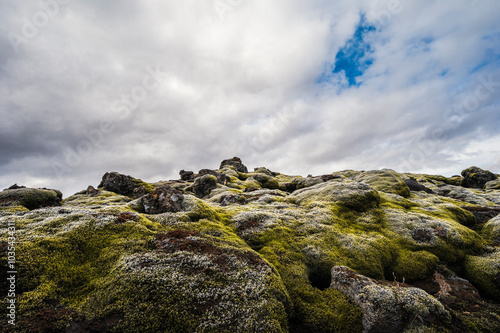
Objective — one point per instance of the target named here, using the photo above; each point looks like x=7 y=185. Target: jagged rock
x=414 y=185
x=15 y=187
x=386 y=307
x=204 y=185
x=187 y=175
x=236 y=163
x=30 y=198
x=384 y=180
x=123 y=184
x=476 y=177
x=162 y=200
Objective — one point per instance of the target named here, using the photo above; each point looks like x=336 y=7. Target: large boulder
x=31 y=198
x=162 y=200
x=236 y=163
x=475 y=177
x=388 y=307
x=123 y=184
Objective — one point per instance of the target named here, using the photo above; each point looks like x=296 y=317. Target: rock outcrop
x=476 y=177
x=233 y=250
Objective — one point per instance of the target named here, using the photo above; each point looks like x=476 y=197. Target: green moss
x=385 y=180
x=103 y=198
x=199 y=209
x=483 y=271
x=412 y=266
x=138 y=182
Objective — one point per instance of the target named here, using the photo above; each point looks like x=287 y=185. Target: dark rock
x=414 y=185
x=221 y=179
x=163 y=200
x=187 y=175
x=475 y=177
x=236 y=163
x=422 y=235
x=15 y=187
x=204 y=185
x=122 y=184
x=388 y=307
x=31 y=198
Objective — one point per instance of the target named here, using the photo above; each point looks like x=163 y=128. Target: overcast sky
x=148 y=88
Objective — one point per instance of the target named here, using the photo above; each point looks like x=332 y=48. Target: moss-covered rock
x=386 y=307
x=492 y=185
x=350 y=194
x=484 y=272
x=31 y=198
x=385 y=180
x=492 y=229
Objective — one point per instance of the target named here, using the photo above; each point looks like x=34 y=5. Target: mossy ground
x=260 y=262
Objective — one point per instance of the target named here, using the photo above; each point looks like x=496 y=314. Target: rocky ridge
x=233 y=250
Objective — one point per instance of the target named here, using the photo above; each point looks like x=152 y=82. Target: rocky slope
x=230 y=250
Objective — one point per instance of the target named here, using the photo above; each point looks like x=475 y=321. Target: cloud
x=149 y=88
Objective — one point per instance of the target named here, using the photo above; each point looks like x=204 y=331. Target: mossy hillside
x=264 y=255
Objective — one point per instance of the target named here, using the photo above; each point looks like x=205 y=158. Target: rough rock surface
x=162 y=200
x=123 y=184
x=389 y=308
x=476 y=177
x=235 y=251
x=236 y=163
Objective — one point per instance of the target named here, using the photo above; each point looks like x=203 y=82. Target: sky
x=147 y=88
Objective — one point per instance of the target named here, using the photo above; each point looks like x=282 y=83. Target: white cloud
x=244 y=82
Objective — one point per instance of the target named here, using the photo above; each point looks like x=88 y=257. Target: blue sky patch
x=355 y=57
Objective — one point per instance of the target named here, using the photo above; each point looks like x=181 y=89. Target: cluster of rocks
x=258 y=251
